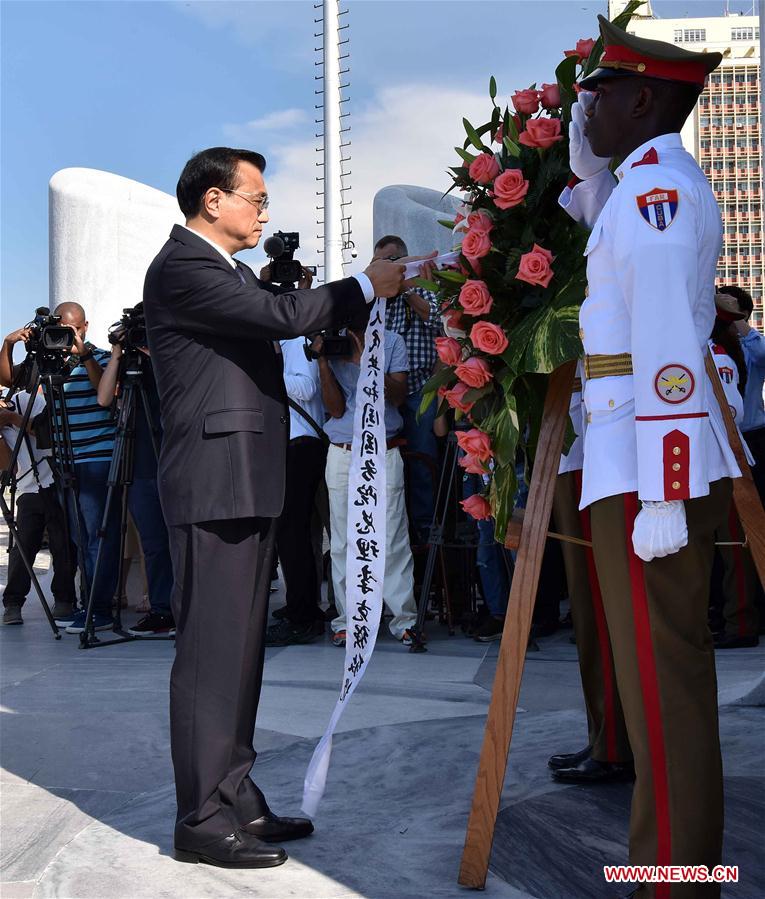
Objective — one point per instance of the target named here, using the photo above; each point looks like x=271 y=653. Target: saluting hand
x=583 y=162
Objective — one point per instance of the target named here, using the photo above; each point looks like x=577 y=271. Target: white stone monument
x=104 y=230
x=412 y=213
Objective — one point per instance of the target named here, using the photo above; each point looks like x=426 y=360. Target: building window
x=692 y=36
x=743 y=34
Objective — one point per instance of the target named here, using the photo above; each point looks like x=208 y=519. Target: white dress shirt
x=301 y=378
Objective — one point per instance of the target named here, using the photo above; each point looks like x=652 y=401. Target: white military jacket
x=651 y=262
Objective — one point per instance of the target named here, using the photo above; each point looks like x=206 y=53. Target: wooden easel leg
x=507 y=681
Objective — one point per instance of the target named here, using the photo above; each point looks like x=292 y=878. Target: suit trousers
x=665 y=671
x=606 y=729
x=222 y=573
x=740 y=580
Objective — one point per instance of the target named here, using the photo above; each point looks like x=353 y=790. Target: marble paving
x=87 y=800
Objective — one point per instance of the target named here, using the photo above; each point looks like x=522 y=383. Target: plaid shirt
x=419 y=335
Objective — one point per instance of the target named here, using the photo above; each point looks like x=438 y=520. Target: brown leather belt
x=607 y=366
x=389 y=444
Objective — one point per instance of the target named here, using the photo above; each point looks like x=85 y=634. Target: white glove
x=660 y=529
x=584 y=163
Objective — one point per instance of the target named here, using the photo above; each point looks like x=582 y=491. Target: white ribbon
x=365 y=560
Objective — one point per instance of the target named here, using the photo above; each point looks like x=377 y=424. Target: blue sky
x=135 y=87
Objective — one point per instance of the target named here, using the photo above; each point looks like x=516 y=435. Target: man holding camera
x=92 y=444
x=212 y=329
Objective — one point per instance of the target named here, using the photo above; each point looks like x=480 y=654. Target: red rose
x=488 y=338
x=535 y=267
x=480 y=221
x=510 y=189
x=550 y=96
x=526 y=101
x=472 y=465
x=475 y=298
x=584 y=47
x=476 y=244
x=542 y=133
x=484 y=168
x=449 y=351
x=476 y=443
x=477 y=507
x=456 y=397
x=474 y=372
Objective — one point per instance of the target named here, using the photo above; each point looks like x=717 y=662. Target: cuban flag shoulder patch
x=658 y=207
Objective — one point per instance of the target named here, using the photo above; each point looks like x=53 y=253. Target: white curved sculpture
x=104 y=230
x=412 y=213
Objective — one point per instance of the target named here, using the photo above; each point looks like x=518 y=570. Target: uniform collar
x=662 y=142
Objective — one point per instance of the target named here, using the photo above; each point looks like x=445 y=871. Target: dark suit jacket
x=224 y=406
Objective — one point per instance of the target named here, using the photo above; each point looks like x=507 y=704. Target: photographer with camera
x=91 y=433
x=128 y=337
x=37 y=508
x=339 y=377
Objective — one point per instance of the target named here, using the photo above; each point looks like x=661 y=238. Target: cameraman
x=37 y=508
x=92 y=445
x=143 y=496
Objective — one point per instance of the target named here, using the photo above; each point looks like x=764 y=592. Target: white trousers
x=398 y=586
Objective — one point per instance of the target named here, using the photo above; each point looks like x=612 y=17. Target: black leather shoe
x=570 y=759
x=733 y=641
x=591 y=771
x=237 y=850
x=272 y=829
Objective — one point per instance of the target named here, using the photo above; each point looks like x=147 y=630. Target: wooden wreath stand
x=529 y=538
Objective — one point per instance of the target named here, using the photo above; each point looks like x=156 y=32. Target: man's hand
x=583 y=162
x=386 y=277
x=16 y=336
x=78 y=346
x=660 y=529
x=306 y=278
x=317 y=345
x=10 y=418
x=426 y=269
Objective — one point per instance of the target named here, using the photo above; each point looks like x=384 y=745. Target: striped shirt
x=91 y=426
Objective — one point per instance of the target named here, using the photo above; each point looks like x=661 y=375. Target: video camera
x=48 y=346
x=334 y=346
x=281 y=249
x=130 y=330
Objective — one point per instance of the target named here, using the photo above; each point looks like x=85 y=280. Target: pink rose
x=456 y=397
x=449 y=351
x=472 y=465
x=474 y=372
x=510 y=189
x=526 y=101
x=550 y=96
x=454 y=324
x=475 y=443
x=477 y=507
x=459 y=218
x=480 y=221
x=542 y=133
x=499 y=135
x=584 y=47
x=488 y=338
x=475 y=298
x=535 y=267
x=484 y=168
x=476 y=244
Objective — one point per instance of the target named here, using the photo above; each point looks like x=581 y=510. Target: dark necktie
x=240 y=272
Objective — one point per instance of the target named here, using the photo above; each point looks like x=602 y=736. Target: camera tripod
x=447 y=499
x=133 y=392
x=52 y=383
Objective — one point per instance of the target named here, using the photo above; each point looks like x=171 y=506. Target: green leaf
x=511 y=147
x=447 y=223
x=473 y=137
x=504 y=487
x=427 y=285
x=429 y=392
x=467 y=157
x=453 y=277
x=492 y=87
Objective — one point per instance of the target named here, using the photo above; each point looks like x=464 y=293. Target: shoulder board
x=650 y=157
x=719 y=350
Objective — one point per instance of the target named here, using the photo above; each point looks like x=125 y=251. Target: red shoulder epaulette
x=651 y=157
x=719 y=350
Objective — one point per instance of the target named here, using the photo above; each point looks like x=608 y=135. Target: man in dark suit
x=212 y=328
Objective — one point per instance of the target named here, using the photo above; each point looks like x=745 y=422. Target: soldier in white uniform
x=657 y=464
